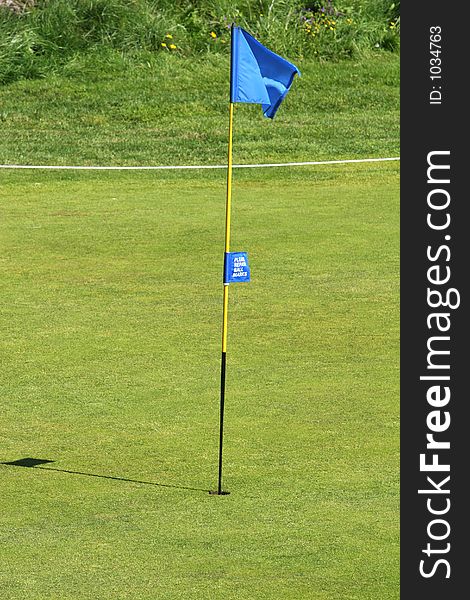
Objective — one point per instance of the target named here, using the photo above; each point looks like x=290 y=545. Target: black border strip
x=427 y=128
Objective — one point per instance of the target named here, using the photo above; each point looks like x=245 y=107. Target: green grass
x=111 y=304
x=49 y=37
x=110 y=300
x=172 y=111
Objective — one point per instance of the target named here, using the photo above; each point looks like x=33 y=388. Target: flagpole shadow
x=35 y=463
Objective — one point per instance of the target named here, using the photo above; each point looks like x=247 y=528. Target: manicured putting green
x=111 y=303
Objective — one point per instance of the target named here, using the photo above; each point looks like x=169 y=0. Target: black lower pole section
x=223 y=367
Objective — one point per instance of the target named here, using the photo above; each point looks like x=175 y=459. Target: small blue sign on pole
x=236 y=267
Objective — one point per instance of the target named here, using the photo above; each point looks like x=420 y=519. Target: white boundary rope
x=181 y=167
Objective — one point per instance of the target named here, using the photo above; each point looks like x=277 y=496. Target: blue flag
x=257 y=75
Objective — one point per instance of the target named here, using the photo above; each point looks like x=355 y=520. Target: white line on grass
x=180 y=167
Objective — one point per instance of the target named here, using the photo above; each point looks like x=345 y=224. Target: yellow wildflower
x=163 y=45
x=172 y=47
x=169 y=36
x=213 y=35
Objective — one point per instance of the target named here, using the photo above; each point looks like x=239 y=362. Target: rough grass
x=47 y=38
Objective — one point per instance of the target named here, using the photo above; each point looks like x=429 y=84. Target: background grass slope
x=175 y=112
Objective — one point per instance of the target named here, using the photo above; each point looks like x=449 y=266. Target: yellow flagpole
x=228 y=205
